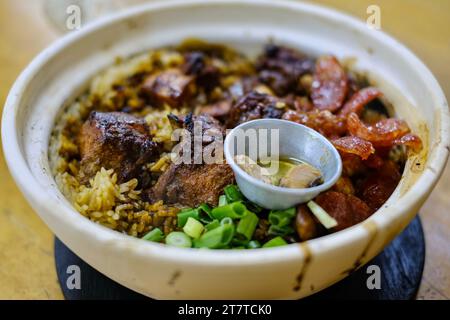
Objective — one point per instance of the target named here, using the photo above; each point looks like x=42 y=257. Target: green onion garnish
x=324 y=218
x=253 y=207
x=233 y=194
x=247 y=225
x=204 y=213
x=233 y=210
x=178 y=239
x=281 y=218
x=275 y=242
x=280 y=231
x=237 y=242
x=205 y=207
x=222 y=200
x=217 y=238
x=156 y=235
x=185 y=214
x=226 y=220
x=193 y=228
x=254 y=244
x=212 y=225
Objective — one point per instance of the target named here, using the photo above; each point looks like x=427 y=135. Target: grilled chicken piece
x=210 y=127
x=218 y=110
x=115 y=140
x=281 y=68
x=253 y=106
x=199 y=65
x=171 y=86
x=193 y=184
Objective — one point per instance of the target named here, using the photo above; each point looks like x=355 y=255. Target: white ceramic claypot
x=62 y=71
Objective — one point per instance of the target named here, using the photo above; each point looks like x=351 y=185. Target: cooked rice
x=117 y=206
x=103 y=200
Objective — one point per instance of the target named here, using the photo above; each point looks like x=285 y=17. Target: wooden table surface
x=27 y=268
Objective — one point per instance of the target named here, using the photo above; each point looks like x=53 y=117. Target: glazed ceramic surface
x=62 y=72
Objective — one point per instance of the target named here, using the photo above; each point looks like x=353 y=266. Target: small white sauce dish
x=294 y=141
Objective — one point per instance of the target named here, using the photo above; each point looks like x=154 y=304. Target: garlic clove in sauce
x=252 y=168
x=290 y=174
x=301 y=176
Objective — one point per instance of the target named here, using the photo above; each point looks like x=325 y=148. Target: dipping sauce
x=284 y=172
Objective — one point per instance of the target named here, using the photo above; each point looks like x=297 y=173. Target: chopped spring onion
x=216 y=238
x=205 y=207
x=178 y=239
x=247 y=225
x=212 y=225
x=254 y=244
x=253 y=207
x=281 y=218
x=321 y=215
x=155 y=235
x=280 y=231
x=226 y=220
x=275 y=242
x=223 y=200
x=233 y=210
x=185 y=214
x=193 y=228
x=236 y=242
x=204 y=213
x=233 y=194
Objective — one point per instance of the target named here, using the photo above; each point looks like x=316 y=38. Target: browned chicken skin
x=193 y=184
x=209 y=126
x=199 y=65
x=253 y=106
x=171 y=86
x=115 y=140
x=281 y=68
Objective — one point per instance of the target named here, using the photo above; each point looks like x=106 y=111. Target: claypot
x=62 y=72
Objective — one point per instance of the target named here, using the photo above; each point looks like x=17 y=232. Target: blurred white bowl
x=62 y=71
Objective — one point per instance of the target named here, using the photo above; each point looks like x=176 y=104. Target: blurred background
x=27 y=268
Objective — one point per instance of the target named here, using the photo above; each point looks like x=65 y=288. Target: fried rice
x=103 y=200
